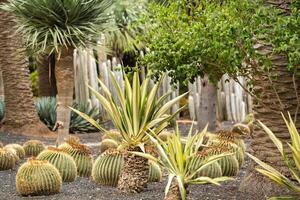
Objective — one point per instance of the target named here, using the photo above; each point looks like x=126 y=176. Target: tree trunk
x=278 y=91
x=64 y=73
x=20 y=116
x=207 y=107
x=46 y=76
x=174 y=192
x=135 y=172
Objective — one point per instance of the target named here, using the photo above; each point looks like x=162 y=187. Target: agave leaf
x=275 y=140
x=296 y=156
x=170 y=179
x=181 y=186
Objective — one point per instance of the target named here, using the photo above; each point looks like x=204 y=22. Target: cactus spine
x=62 y=161
x=19 y=150
x=37 y=177
x=81 y=155
x=7 y=159
x=33 y=147
x=107 y=168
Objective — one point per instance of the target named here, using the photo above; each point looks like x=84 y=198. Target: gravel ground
x=85 y=189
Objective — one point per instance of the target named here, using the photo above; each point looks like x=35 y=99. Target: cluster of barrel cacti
x=33 y=147
x=81 y=155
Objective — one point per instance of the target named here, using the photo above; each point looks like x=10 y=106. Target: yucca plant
x=292 y=164
x=134 y=113
x=59 y=27
x=177 y=159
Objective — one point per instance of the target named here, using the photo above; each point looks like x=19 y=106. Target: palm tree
x=59 y=27
x=279 y=89
x=20 y=116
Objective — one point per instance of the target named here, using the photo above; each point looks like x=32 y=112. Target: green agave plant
x=293 y=166
x=2 y=109
x=134 y=113
x=177 y=158
x=46 y=108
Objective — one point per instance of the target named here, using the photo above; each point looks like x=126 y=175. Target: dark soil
x=85 y=189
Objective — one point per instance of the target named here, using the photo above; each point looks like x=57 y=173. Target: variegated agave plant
x=134 y=112
x=294 y=166
x=177 y=156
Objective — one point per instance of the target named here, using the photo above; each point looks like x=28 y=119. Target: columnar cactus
x=229 y=163
x=7 y=159
x=19 y=149
x=107 y=168
x=213 y=170
x=38 y=177
x=155 y=173
x=62 y=161
x=108 y=144
x=81 y=155
x=33 y=147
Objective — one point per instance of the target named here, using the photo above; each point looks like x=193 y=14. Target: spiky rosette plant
x=19 y=150
x=177 y=158
x=62 y=161
x=59 y=27
x=7 y=159
x=81 y=155
x=107 y=168
x=228 y=163
x=108 y=144
x=33 y=147
x=213 y=170
x=38 y=177
x=134 y=113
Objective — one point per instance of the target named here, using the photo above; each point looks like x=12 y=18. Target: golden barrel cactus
x=155 y=173
x=7 y=159
x=19 y=149
x=107 y=168
x=38 y=177
x=33 y=147
x=108 y=144
x=62 y=161
x=81 y=155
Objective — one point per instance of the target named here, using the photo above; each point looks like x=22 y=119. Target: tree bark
x=20 y=116
x=207 y=107
x=64 y=73
x=278 y=92
x=46 y=76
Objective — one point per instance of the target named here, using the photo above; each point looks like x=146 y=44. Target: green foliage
x=292 y=164
x=33 y=147
x=62 y=161
x=81 y=155
x=2 y=109
x=7 y=159
x=51 y=25
x=213 y=38
x=36 y=177
x=177 y=158
x=46 y=108
x=136 y=112
x=19 y=150
x=107 y=168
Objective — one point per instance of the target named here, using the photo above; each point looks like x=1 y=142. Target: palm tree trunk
x=64 y=73
x=20 y=116
x=135 y=172
x=278 y=90
x=174 y=192
x=46 y=76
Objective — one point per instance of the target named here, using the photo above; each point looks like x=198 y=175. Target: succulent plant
x=237 y=150
x=46 y=108
x=62 y=161
x=242 y=129
x=155 y=173
x=107 y=168
x=7 y=159
x=2 y=109
x=213 y=170
x=228 y=163
x=19 y=150
x=108 y=144
x=13 y=152
x=165 y=134
x=38 y=177
x=33 y=147
x=81 y=155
